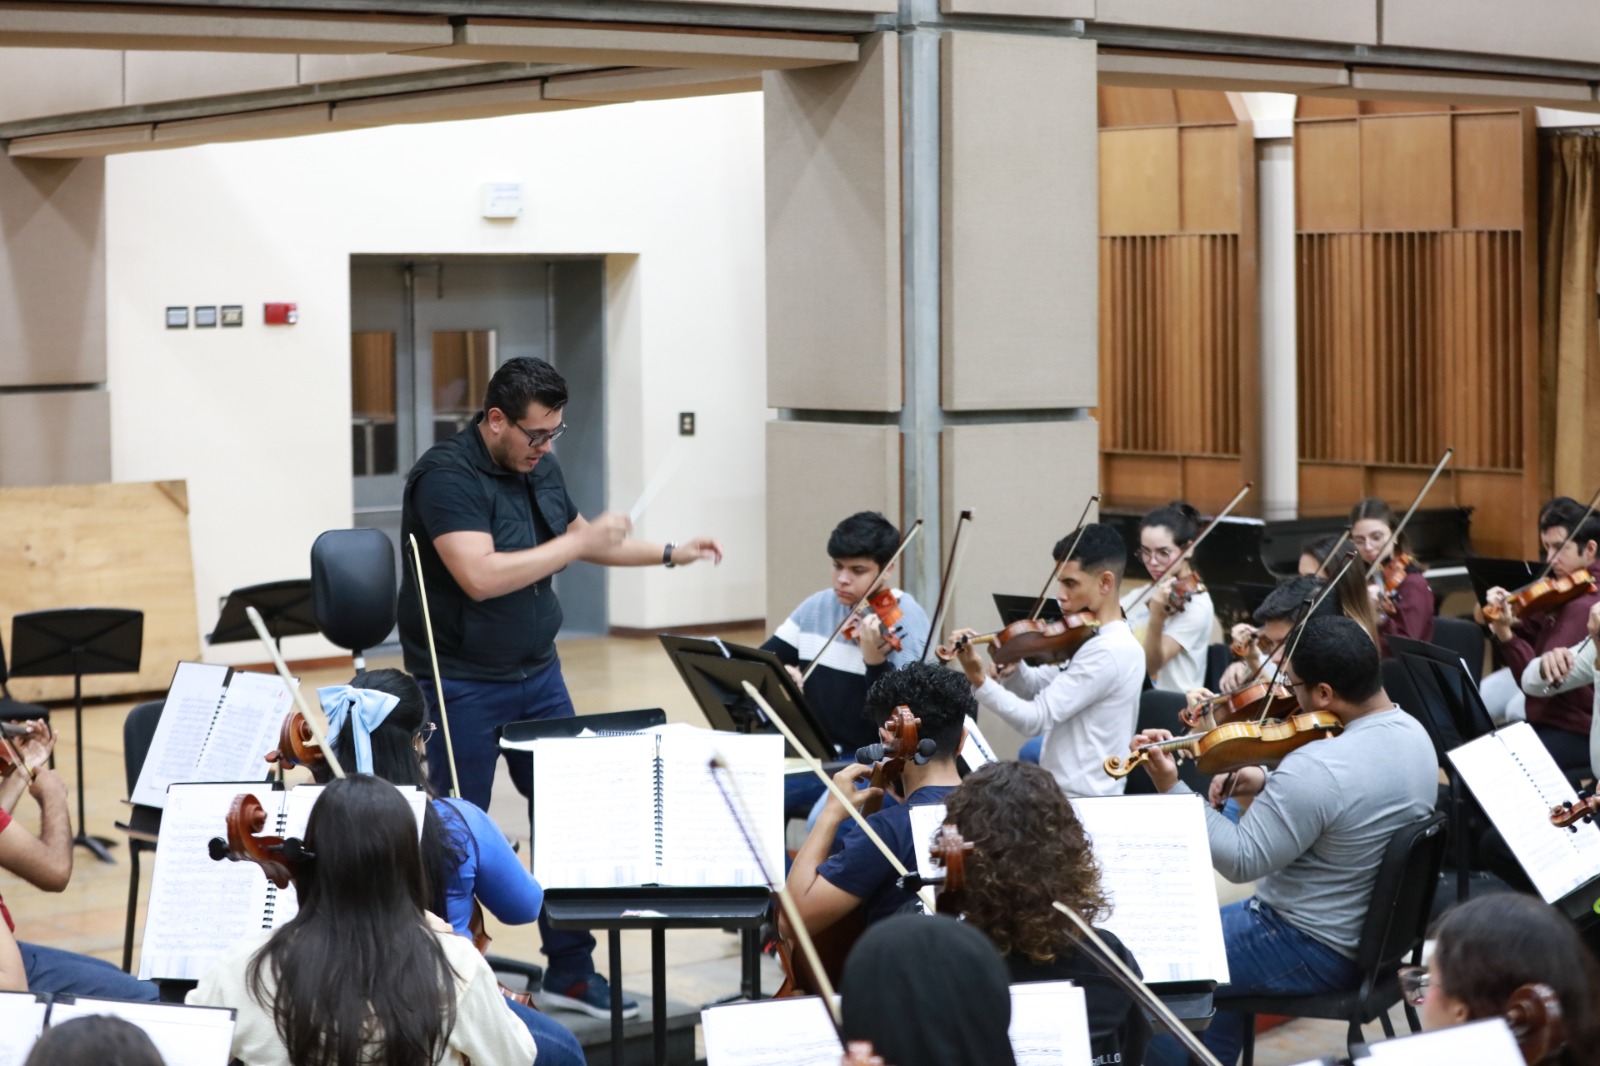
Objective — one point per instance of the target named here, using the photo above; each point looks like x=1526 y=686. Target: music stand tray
x=285 y=607
x=76 y=641
x=715 y=671
x=1016 y=608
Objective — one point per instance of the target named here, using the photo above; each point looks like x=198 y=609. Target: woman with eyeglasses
x=363 y=973
x=378 y=724
x=1174 y=630
x=1406 y=599
x=1487 y=948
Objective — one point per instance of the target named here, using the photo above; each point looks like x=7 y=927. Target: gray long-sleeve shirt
x=1314 y=837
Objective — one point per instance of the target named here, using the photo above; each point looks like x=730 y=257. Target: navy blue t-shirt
x=859 y=868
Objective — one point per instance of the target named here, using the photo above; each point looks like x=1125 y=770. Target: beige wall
x=55 y=438
x=1343 y=21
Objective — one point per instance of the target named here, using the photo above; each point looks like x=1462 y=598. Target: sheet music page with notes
x=1516 y=781
x=22 y=1020
x=186 y=716
x=771 y=1032
x=184 y=1035
x=199 y=906
x=1485 y=1043
x=246 y=728
x=701 y=841
x=1049 y=1024
x=1155 y=864
x=594 y=811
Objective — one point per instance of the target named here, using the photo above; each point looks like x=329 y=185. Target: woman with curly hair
x=1029 y=850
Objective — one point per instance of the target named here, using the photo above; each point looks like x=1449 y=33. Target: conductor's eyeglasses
x=538 y=439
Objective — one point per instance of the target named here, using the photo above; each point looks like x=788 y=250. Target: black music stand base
x=99 y=846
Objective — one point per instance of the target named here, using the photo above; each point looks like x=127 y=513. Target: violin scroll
x=279 y=858
x=1123 y=765
x=1533 y=1014
x=297 y=745
x=1570 y=813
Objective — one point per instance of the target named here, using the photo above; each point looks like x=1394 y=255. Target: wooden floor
x=603 y=674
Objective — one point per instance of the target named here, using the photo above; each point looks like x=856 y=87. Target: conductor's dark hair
x=1100 y=548
x=522 y=381
x=1564 y=512
x=95 y=1040
x=941 y=697
x=1289 y=601
x=1487 y=948
x=864 y=535
x=1338 y=653
x=358 y=964
x=395 y=759
x=1178 y=518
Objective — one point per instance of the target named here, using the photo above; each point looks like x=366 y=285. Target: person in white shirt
x=363 y=973
x=1174 y=630
x=1082 y=709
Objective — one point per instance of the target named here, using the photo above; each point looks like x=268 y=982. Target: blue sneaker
x=591 y=995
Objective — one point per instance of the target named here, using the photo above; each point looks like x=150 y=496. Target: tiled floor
x=603 y=675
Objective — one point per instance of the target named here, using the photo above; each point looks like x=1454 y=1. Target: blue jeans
x=477 y=709
x=1265 y=955
x=554 y=1041
x=54 y=970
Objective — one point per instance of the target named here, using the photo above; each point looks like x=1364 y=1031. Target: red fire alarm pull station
x=280 y=314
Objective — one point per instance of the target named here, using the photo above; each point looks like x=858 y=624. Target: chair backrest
x=1402 y=896
x=4 y=676
x=1463 y=638
x=1158 y=709
x=1218 y=658
x=353 y=591
x=138 y=730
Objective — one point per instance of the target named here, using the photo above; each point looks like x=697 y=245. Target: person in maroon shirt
x=1407 y=610
x=1561 y=720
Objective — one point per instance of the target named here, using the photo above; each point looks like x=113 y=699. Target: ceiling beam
x=100 y=26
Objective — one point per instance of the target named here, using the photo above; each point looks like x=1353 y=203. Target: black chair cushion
x=353 y=587
x=16 y=711
x=1335 y=1006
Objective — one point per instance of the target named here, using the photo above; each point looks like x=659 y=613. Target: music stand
x=78 y=641
x=1016 y=608
x=1487 y=573
x=715 y=672
x=285 y=608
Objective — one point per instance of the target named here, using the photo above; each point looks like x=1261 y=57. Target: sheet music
x=772 y=1032
x=1485 y=1043
x=1049 y=1024
x=579 y=840
x=198 y=906
x=702 y=843
x=1155 y=864
x=1516 y=781
x=185 y=719
x=185 y=1036
x=975 y=749
x=22 y=1019
x=925 y=822
x=246 y=728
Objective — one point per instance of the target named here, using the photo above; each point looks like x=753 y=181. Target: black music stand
x=652 y=907
x=285 y=608
x=78 y=641
x=715 y=672
x=1016 y=608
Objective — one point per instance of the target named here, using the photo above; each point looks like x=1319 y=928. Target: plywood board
x=1209 y=182
x=102 y=546
x=1489 y=171
x=1405 y=173
x=1138 y=181
x=1327 y=161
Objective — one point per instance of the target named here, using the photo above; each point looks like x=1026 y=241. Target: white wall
x=256 y=419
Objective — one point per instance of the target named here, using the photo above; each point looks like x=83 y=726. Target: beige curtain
x=1569 y=330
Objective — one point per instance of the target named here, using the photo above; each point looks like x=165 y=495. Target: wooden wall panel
x=1329 y=488
x=1405 y=173
x=1209 y=179
x=1139 y=181
x=1489 y=176
x=1137 y=107
x=1327 y=174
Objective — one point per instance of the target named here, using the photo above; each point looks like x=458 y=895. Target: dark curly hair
x=941 y=697
x=1028 y=850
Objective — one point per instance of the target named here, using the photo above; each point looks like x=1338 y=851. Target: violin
x=279 y=857
x=1182 y=591
x=1533 y=1013
x=888 y=759
x=1545 y=594
x=1256 y=701
x=1038 y=641
x=297 y=744
x=1570 y=813
x=883 y=604
x=1394 y=575
x=949 y=852
x=1238 y=744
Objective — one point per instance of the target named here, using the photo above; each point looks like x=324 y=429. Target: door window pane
x=462 y=363
x=373 y=404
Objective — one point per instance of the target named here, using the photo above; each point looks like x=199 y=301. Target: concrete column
x=54 y=410
x=1280 y=416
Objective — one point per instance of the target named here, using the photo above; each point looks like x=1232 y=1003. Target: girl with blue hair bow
x=378 y=724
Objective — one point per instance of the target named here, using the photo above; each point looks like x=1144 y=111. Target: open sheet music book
x=1049 y=1027
x=1155 y=867
x=216 y=725
x=1516 y=782
x=199 y=906
x=1485 y=1043
x=185 y=1036
x=660 y=818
